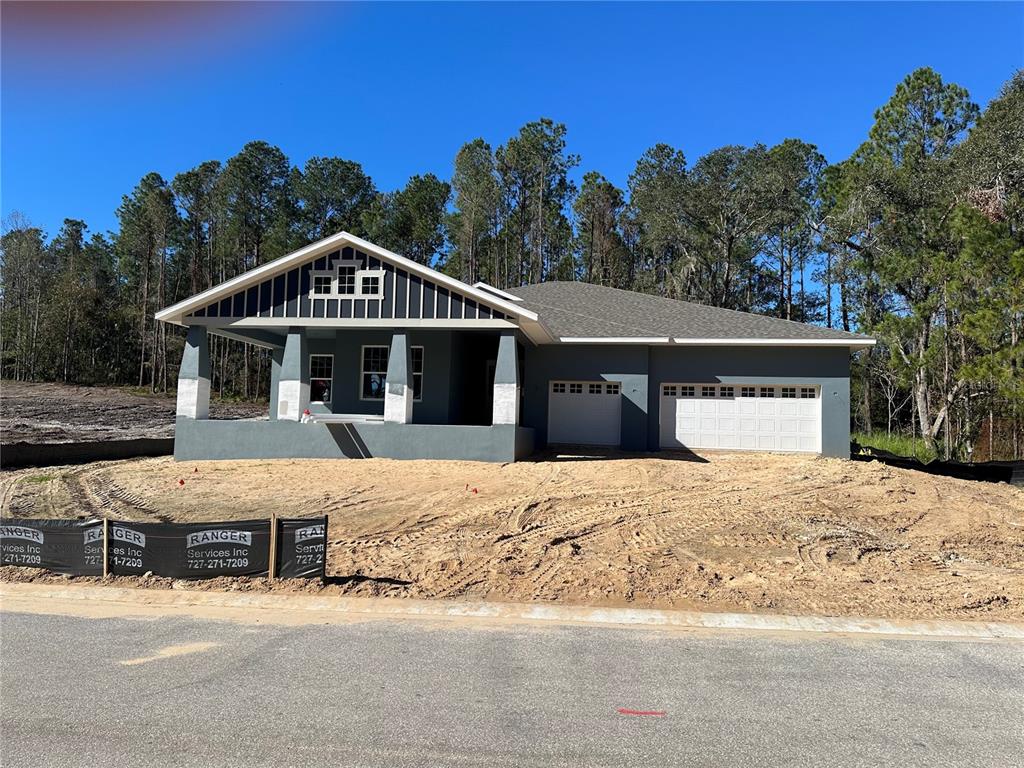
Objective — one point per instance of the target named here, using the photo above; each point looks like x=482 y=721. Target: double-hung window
x=321 y=378
x=372 y=373
x=347 y=279
x=374 y=370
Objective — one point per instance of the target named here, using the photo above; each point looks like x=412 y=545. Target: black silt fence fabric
x=74 y=547
x=190 y=550
x=302 y=548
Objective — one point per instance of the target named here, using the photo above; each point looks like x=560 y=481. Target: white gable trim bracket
x=177 y=312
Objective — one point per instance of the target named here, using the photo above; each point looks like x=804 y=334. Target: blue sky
x=94 y=97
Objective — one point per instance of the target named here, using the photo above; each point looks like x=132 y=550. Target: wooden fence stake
x=106 y=547
x=272 y=564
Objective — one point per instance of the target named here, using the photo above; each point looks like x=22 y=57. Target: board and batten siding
x=406 y=296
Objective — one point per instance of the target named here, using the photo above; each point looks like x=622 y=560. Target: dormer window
x=322 y=284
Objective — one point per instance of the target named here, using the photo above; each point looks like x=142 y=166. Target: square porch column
x=506 y=382
x=398 y=383
x=194 y=376
x=293 y=386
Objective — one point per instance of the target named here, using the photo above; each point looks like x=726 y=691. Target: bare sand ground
x=729 y=532
x=60 y=413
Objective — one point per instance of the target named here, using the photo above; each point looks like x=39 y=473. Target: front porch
x=369 y=392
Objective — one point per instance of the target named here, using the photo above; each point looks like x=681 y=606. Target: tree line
x=916 y=238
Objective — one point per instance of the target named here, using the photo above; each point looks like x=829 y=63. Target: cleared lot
x=749 y=532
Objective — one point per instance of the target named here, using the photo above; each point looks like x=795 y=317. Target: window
x=346 y=280
x=687 y=390
x=321 y=377
x=594 y=389
x=789 y=392
x=748 y=392
x=322 y=284
x=417 y=372
x=707 y=391
x=558 y=388
x=807 y=393
x=726 y=392
x=372 y=373
x=611 y=389
x=371 y=283
x=670 y=390
x=767 y=391
x=575 y=389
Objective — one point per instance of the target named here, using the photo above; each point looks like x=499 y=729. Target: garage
x=748 y=417
x=584 y=412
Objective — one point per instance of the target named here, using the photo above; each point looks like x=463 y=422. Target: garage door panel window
x=808 y=393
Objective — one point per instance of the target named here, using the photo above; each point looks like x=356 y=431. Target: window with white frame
x=322 y=284
x=371 y=283
x=321 y=378
x=373 y=370
x=346 y=279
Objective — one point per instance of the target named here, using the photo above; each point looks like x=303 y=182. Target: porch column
x=506 y=382
x=398 y=384
x=194 y=376
x=293 y=386
x=276 y=361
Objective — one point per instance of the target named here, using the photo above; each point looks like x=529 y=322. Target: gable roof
x=177 y=312
x=577 y=312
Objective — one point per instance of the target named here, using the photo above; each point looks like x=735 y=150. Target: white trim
x=311 y=377
x=865 y=342
x=352 y=264
x=491 y=289
x=364 y=273
x=345 y=322
x=363 y=372
x=176 y=312
x=412 y=371
x=614 y=339
x=312 y=282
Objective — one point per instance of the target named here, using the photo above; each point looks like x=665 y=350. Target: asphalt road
x=205 y=693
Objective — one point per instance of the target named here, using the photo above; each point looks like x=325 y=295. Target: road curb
x=181 y=600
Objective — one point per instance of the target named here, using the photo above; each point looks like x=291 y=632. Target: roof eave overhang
x=862 y=343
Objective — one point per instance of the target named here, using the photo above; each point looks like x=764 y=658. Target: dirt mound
x=746 y=532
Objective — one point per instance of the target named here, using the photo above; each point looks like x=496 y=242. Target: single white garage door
x=584 y=412
x=741 y=417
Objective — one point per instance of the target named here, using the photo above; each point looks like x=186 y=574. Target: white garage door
x=584 y=412
x=742 y=417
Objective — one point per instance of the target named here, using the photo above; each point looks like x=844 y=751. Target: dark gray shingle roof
x=574 y=309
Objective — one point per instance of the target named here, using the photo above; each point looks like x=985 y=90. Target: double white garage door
x=732 y=417
x=741 y=417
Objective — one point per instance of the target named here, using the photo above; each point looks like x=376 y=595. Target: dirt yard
x=743 y=532
x=60 y=413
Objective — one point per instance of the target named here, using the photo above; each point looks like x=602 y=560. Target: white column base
x=193 y=398
x=397 y=405
x=506 y=404
x=292 y=399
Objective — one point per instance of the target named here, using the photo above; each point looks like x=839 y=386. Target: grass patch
x=901 y=445
x=39 y=478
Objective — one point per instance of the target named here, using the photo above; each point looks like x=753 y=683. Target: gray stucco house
x=394 y=359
